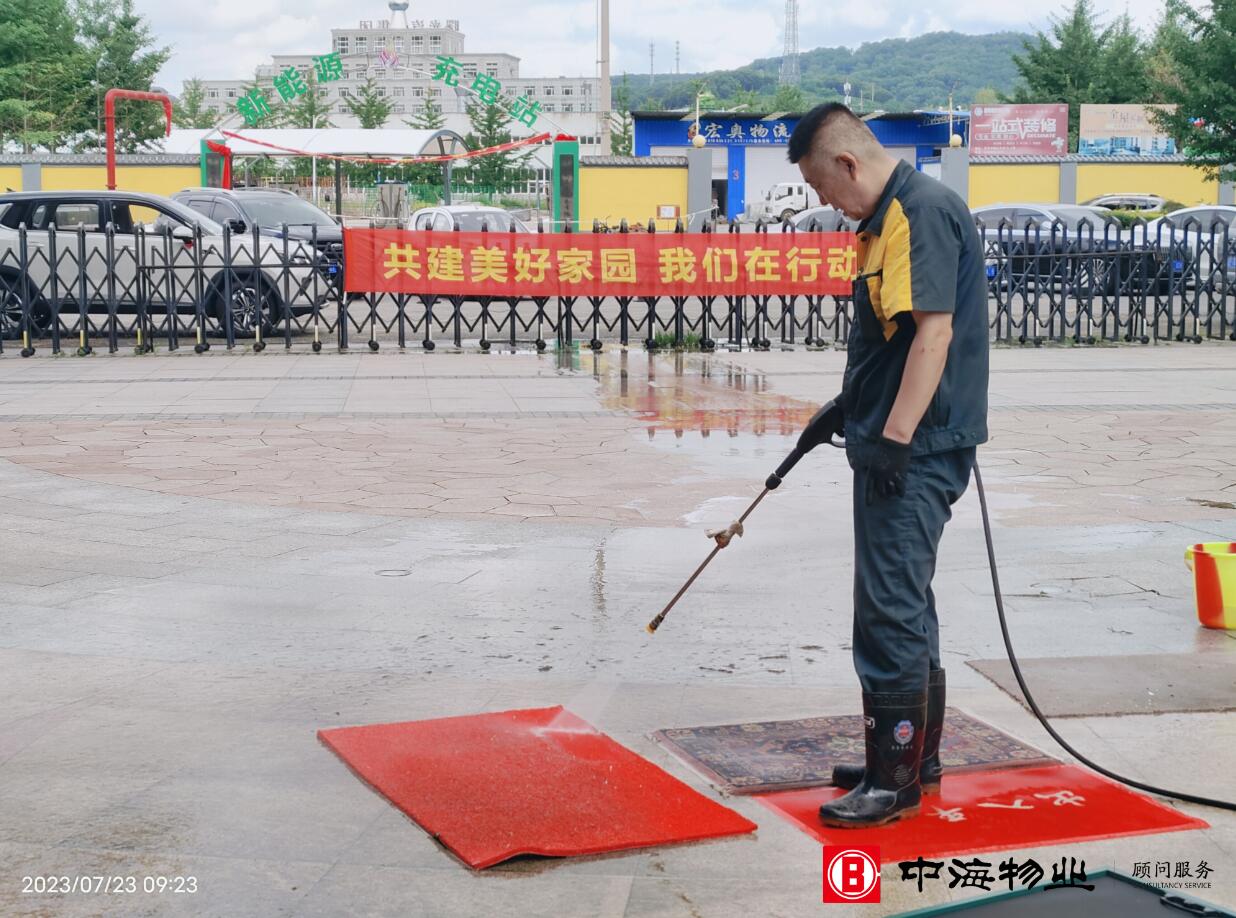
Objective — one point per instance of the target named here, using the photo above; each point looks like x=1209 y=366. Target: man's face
x=836 y=179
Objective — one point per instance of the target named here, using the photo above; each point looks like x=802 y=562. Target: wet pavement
x=208 y=558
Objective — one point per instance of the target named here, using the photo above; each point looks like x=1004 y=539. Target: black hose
x=1025 y=691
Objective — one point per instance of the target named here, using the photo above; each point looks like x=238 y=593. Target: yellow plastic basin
x=1214 y=582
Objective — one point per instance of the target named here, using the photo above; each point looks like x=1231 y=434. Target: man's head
x=841 y=159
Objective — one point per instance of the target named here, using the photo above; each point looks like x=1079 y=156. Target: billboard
x=1019 y=130
x=1122 y=130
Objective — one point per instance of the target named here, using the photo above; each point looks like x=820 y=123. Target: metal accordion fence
x=79 y=290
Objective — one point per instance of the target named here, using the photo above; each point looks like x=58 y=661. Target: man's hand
x=886 y=470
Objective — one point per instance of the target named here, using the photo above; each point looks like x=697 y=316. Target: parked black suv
x=269 y=209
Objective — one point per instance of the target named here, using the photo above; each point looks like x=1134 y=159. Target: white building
x=401 y=58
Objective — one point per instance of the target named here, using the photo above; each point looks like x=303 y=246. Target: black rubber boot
x=890 y=790
x=930 y=771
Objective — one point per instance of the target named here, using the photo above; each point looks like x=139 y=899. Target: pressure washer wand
x=818 y=430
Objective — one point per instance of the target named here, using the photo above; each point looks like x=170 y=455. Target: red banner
x=586 y=264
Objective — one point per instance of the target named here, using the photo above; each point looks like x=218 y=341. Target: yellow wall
x=610 y=193
x=163 y=180
x=1173 y=181
x=1039 y=183
x=1029 y=183
x=10 y=177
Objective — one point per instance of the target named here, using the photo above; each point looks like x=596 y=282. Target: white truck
x=783 y=200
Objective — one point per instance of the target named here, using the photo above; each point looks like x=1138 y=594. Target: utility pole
x=652 y=63
x=677 y=58
x=606 y=103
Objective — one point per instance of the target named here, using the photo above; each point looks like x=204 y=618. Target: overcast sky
x=219 y=39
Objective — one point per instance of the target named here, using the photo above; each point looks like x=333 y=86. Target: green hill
x=906 y=73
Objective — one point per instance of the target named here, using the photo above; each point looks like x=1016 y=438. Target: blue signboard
x=717 y=131
x=746 y=133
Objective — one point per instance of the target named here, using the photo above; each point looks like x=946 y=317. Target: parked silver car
x=114 y=249
x=1138 y=202
x=469 y=218
x=1082 y=247
x=1202 y=240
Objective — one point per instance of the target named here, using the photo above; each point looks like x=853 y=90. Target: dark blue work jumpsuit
x=919 y=250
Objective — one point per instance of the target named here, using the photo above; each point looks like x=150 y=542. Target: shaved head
x=841 y=159
x=829 y=130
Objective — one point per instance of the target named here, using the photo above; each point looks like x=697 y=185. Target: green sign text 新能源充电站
x=290 y=84
x=253 y=106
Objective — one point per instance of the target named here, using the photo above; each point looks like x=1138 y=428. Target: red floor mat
x=995 y=811
x=493 y=786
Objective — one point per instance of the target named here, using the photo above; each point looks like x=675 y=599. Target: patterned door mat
x=791 y=754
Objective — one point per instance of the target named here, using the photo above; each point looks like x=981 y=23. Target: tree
x=120 y=54
x=311 y=110
x=622 y=126
x=1202 y=85
x=789 y=99
x=489 y=129
x=1161 y=54
x=428 y=117
x=1083 y=62
x=1062 y=66
x=1122 y=75
x=986 y=96
x=190 y=111
x=44 y=84
x=370 y=107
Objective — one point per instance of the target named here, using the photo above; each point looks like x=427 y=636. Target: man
x=913 y=407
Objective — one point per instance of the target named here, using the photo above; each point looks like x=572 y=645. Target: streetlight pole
x=702 y=94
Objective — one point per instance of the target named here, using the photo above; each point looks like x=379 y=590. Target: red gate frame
x=109 y=107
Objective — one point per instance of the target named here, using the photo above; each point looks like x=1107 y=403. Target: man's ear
x=849 y=163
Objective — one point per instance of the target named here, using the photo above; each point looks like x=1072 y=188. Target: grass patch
x=665 y=342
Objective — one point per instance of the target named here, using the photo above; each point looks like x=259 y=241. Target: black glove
x=886 y=470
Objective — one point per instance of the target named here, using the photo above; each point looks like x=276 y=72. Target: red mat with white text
x=493 y=786
x=996 y=811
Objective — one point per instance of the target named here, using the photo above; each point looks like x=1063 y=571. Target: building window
x=549 y=90
x=586 y=89
x=437 y=93
x=568 y=90
x=435 y=42
x=469 y=70
x=212 y=94
x=341 y=44
x=568 y=107
x=418 y=44
x=549 y=107
x=491 y=69
x=530 y=92
x=231 y=94
x=323 y=93
x=398 y=109
x=399 y=44
x=397 y=91
x=381 y=91
x=362 y=44
x=418 y=92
